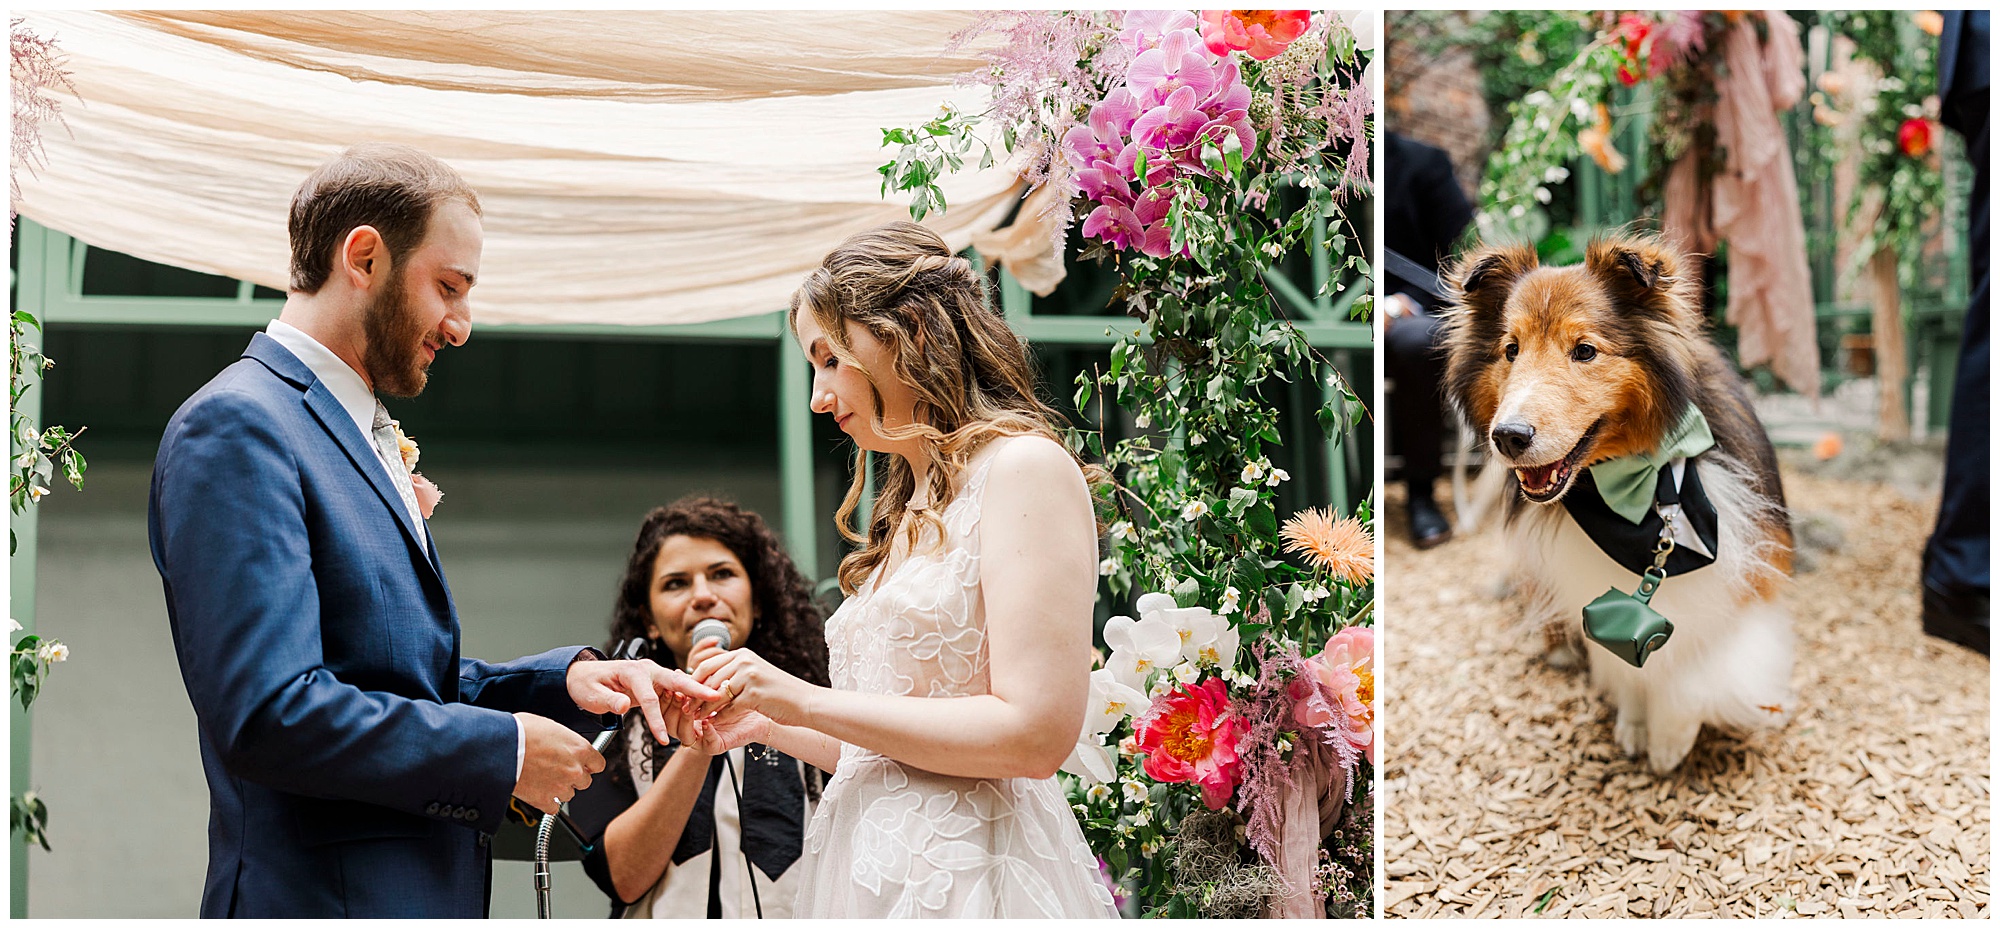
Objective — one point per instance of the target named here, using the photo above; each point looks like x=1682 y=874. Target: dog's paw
x=1668 y=743
x=1631 y=732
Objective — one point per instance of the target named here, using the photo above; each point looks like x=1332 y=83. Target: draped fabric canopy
x=636 y=168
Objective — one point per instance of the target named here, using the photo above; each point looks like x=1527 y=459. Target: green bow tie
x=1628 y=484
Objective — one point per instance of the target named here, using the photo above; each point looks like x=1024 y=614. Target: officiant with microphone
x=678 y=833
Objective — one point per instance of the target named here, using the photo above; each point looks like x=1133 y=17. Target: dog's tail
x=1755 y=672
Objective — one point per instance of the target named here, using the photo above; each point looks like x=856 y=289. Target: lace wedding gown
x=891 y=840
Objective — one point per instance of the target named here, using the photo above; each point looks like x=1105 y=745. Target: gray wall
x=531 y=553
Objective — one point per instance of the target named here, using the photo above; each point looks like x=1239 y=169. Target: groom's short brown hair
x=394 y=188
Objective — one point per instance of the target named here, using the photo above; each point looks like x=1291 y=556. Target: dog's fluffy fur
x=1513 y=357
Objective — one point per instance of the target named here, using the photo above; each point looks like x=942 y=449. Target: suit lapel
x=334 y=419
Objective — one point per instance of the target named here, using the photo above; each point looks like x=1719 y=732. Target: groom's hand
x=557 y=764
x=617 y=686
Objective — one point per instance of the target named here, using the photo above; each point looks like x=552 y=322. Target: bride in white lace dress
x=961 y=658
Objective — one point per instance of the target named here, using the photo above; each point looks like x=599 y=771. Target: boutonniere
x=427 y=493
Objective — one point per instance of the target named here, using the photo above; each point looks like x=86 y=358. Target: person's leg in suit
x=1416 y=418
x=1958 y=558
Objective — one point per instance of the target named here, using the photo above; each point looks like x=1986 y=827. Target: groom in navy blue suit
x=357 y=765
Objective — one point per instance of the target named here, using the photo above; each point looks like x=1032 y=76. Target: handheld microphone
x=710 y=629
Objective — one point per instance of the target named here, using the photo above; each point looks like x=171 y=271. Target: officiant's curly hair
x=393 y=188
x=788 y=628
x=970 y=373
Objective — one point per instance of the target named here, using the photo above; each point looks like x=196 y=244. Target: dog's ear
x=1481 y=279
x=1642 y=273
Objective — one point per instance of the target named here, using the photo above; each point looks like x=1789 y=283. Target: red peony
x=1915 y=137
x=1633 y=30
x=1190 y=734
x=1262 y=34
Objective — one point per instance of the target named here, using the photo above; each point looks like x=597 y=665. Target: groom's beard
x=394 y=356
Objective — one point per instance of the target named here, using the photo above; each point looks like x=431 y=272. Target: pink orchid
x=1261 y=34
x=1173 y=127
x=1113 y=224
x=1104 y=183
x=1110 y=124
x=1145 y=28
x=1190 y=734
x=1179 y=62
x=428 y=494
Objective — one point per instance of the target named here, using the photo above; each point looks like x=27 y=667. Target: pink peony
x=428 y=494
x=1261 y=34
x=1190 y=734
x=1345 y=673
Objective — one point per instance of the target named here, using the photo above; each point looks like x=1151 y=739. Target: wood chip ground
x=1505 y=796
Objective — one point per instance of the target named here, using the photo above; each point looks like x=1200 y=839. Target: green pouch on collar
x=1626 y=623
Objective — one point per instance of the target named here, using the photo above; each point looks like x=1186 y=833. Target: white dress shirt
x=347 y=387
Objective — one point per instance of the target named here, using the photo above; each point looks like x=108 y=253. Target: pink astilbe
x=1347 y=111
x=1266 y=711
x=37 y=70
x=1682 y=35
x=1042 y=74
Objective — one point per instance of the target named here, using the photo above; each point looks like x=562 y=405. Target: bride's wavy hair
x=970 y=373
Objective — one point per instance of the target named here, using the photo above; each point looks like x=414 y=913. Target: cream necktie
x=392 y=458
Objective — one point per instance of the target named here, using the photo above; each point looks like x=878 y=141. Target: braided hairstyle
x=788 y=631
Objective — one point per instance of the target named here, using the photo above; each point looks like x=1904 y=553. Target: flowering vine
x=1191 y=152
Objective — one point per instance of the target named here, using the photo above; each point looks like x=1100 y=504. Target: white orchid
x=1111 y=702
x=1139 y=647
x=1186 y=672
x=1365 y=24
x=1091 y=762
x=14 y=623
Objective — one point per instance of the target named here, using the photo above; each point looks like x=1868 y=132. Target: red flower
x=1263 y=34
x=1915 y=137
x=1635 y=31
x=1190 y=734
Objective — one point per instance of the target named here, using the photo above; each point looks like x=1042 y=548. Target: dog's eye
x=1512 y=350
x=1584 y=351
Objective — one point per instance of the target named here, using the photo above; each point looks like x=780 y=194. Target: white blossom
x=1278 y=476
x=1252 y=473
x=1134 y=791
x=1098 y=793
x=1143 y=420
x=1195 y=509
x=1139 y=647
x=53 y=652
x=1124 y=531
x=15 y=623
x=1196 y=438
x=1186 y=672
x=1142 y=819
x=1231 y=599
x=1107 y=567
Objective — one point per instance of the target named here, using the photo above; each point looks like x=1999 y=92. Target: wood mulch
x=1504 y=794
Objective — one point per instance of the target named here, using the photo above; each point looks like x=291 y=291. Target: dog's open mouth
x=1546 y=483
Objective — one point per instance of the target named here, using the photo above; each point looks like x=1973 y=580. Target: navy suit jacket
x=356 y=764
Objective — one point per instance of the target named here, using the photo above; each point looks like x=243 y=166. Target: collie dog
x=1564 y=368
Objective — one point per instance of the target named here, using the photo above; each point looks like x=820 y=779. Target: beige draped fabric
x=635 y=167
x=1756 y=206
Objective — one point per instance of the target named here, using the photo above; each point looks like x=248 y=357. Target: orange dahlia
x=1340 y=547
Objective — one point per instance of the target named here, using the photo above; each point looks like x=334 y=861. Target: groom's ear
x=363 y=258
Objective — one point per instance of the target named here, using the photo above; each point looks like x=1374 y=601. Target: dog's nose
x=1513 y=438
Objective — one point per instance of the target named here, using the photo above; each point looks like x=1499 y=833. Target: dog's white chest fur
x=1729 y=662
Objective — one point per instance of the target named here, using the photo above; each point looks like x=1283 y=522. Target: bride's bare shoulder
x=1032 y=458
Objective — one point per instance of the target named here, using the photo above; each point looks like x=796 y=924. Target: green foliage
x=36 y=453
x=1909 y=188
x=928 y=152
x=28 y=815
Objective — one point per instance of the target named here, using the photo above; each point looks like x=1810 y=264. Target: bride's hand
x=751 y=683
x=731 y=728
